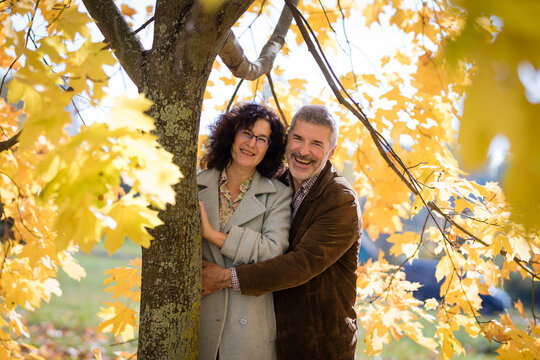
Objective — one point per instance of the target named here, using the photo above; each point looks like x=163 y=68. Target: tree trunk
x=171 y=267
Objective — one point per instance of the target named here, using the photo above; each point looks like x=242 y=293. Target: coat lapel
x=317 y=190
x=251 y=206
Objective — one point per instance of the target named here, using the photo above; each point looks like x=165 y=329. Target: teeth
x=303 y=161
x=247 y=152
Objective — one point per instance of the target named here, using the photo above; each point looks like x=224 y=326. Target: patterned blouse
x=227 y=205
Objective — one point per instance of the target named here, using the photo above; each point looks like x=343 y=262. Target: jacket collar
x=316 y=190
x=325 y=176
x=249 y=208
x=210 y=179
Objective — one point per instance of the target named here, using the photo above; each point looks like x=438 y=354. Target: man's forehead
x=316 y=131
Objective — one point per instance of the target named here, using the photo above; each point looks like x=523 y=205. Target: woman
x=245 y=216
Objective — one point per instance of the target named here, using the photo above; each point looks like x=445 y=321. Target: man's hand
x=214 y=278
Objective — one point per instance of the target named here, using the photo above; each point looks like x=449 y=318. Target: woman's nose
x=253 y=141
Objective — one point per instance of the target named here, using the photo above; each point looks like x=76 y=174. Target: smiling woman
x=245 y=217
x=243 y=117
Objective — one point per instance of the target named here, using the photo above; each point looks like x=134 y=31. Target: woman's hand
x=207 y=229
x=208 y=232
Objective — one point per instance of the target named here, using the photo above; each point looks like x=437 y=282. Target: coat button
x=243 y=321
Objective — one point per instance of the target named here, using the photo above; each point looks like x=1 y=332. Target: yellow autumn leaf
x=128 y=282
x=150 y=169
x=402 y=58
x=118 y=319
x=132 y=216
x=372 y=11
x=127 y=11
x=79 y=224
x=86 y=64
x=130 y=113
x=71 y=266
x=228 y=80
x=298 y=84
x=431 y=304
x=278 y=70
x=71 y=22
x=406 y=243
x=97 y=353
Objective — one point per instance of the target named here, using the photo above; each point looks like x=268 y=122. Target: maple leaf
x=72 y=22
x=86 y=63
x=118 y=319
x=372 y=11
x=127 y=11
x=228 y=80
x=130 y=113
x=132 y=216
x=128 y=281
x=406 y=243
x=70 y=266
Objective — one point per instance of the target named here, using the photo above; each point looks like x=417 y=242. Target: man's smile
x=303 y=160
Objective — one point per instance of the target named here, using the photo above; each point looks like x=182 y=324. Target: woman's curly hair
x=244 y=116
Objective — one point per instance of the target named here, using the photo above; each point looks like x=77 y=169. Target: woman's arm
x=208 y=232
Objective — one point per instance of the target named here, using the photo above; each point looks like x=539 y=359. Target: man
x=314 y=283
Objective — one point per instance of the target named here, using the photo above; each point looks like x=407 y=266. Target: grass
x=68 y=319
x=81 y=300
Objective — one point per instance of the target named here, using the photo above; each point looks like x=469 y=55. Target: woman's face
x=250 y=145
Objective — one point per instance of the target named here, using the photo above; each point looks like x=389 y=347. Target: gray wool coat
x=240 y=326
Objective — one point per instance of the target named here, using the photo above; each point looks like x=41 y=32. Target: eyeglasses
x=247 y=135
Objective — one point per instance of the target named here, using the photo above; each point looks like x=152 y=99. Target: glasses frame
x=247 y=134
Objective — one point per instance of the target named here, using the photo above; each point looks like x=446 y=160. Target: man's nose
x=303 y=149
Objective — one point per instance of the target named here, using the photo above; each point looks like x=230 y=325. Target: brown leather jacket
x=315 y=281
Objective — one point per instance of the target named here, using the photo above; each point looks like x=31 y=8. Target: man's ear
x=332 y=152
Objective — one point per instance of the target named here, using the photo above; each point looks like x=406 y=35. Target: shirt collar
x=306 y=185
x=244 y=187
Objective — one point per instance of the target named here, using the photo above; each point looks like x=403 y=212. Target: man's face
x=308 y=149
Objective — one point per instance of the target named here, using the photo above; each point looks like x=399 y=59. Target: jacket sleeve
x=334 y=228
x=244 y=245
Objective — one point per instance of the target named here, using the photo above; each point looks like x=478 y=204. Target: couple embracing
x=280 y=247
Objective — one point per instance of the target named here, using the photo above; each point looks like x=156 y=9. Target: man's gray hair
x=319 y=115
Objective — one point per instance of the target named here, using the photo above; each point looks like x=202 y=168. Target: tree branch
x=271 y=83
x=233 y=55
x=119 y=35
x=6 y=144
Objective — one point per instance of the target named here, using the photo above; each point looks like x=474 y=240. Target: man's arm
x=334 y=230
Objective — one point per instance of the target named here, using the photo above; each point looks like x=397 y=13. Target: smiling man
x=314 y=283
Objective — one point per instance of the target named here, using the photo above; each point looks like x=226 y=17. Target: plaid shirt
x=301 y=193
